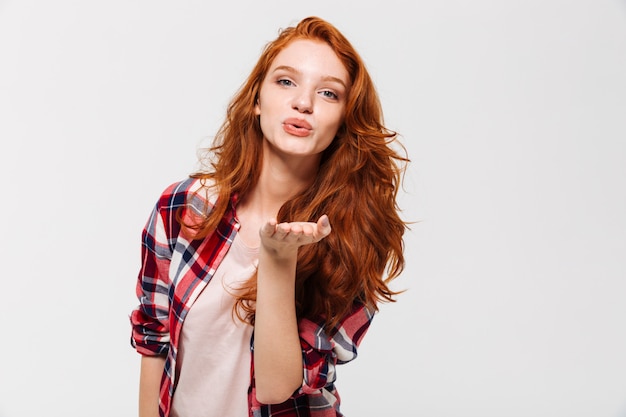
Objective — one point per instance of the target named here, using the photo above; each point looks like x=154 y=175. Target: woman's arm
x=150 y=384
x=277 y=349
x=277 y=352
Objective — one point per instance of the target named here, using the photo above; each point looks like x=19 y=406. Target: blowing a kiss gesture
x=283 y=240
x=278 y=356
x=239 y=321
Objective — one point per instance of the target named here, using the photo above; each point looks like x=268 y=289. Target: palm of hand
x=287 y=237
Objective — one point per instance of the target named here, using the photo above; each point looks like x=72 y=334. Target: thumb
x=323 y=226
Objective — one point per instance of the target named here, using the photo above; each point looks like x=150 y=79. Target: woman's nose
x=303 y=102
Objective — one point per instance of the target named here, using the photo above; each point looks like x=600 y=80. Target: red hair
x=356 y=186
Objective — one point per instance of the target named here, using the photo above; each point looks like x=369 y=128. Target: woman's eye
x=329 y=94
x=285 y=82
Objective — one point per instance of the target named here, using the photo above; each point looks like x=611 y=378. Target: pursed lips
x=298 y=127
x=300 y=123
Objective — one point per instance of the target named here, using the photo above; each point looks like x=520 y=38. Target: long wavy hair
x=356 y=186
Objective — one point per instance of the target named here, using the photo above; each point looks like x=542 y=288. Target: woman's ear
x=257 y=108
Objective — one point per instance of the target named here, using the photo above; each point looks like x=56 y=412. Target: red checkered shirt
x=175 y=270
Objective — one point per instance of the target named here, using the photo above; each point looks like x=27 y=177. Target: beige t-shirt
x=213 y=367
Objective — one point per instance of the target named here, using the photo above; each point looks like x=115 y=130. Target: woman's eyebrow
x=286 y=68
x=335 y=79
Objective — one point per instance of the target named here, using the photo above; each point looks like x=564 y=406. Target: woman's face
x=302 y=99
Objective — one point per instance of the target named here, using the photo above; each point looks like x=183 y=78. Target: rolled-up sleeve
x=149 y=320
x=322 y=351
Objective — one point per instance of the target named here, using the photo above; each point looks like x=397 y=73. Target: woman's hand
x=284 y=239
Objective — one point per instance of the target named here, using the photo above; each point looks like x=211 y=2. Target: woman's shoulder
x=187 y=185
x=190 y=190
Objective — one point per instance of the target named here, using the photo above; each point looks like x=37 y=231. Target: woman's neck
x=277 y=183
x=283 y=176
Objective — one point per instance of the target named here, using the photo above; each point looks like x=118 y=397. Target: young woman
x=263 y=271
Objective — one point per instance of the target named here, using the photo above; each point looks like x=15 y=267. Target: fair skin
x=308 y=80
x=301 y=105
x=149 y=385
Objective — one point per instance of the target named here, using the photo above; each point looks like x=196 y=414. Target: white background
x=514 y=116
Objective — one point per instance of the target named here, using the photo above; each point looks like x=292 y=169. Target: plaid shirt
x=174 y=271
